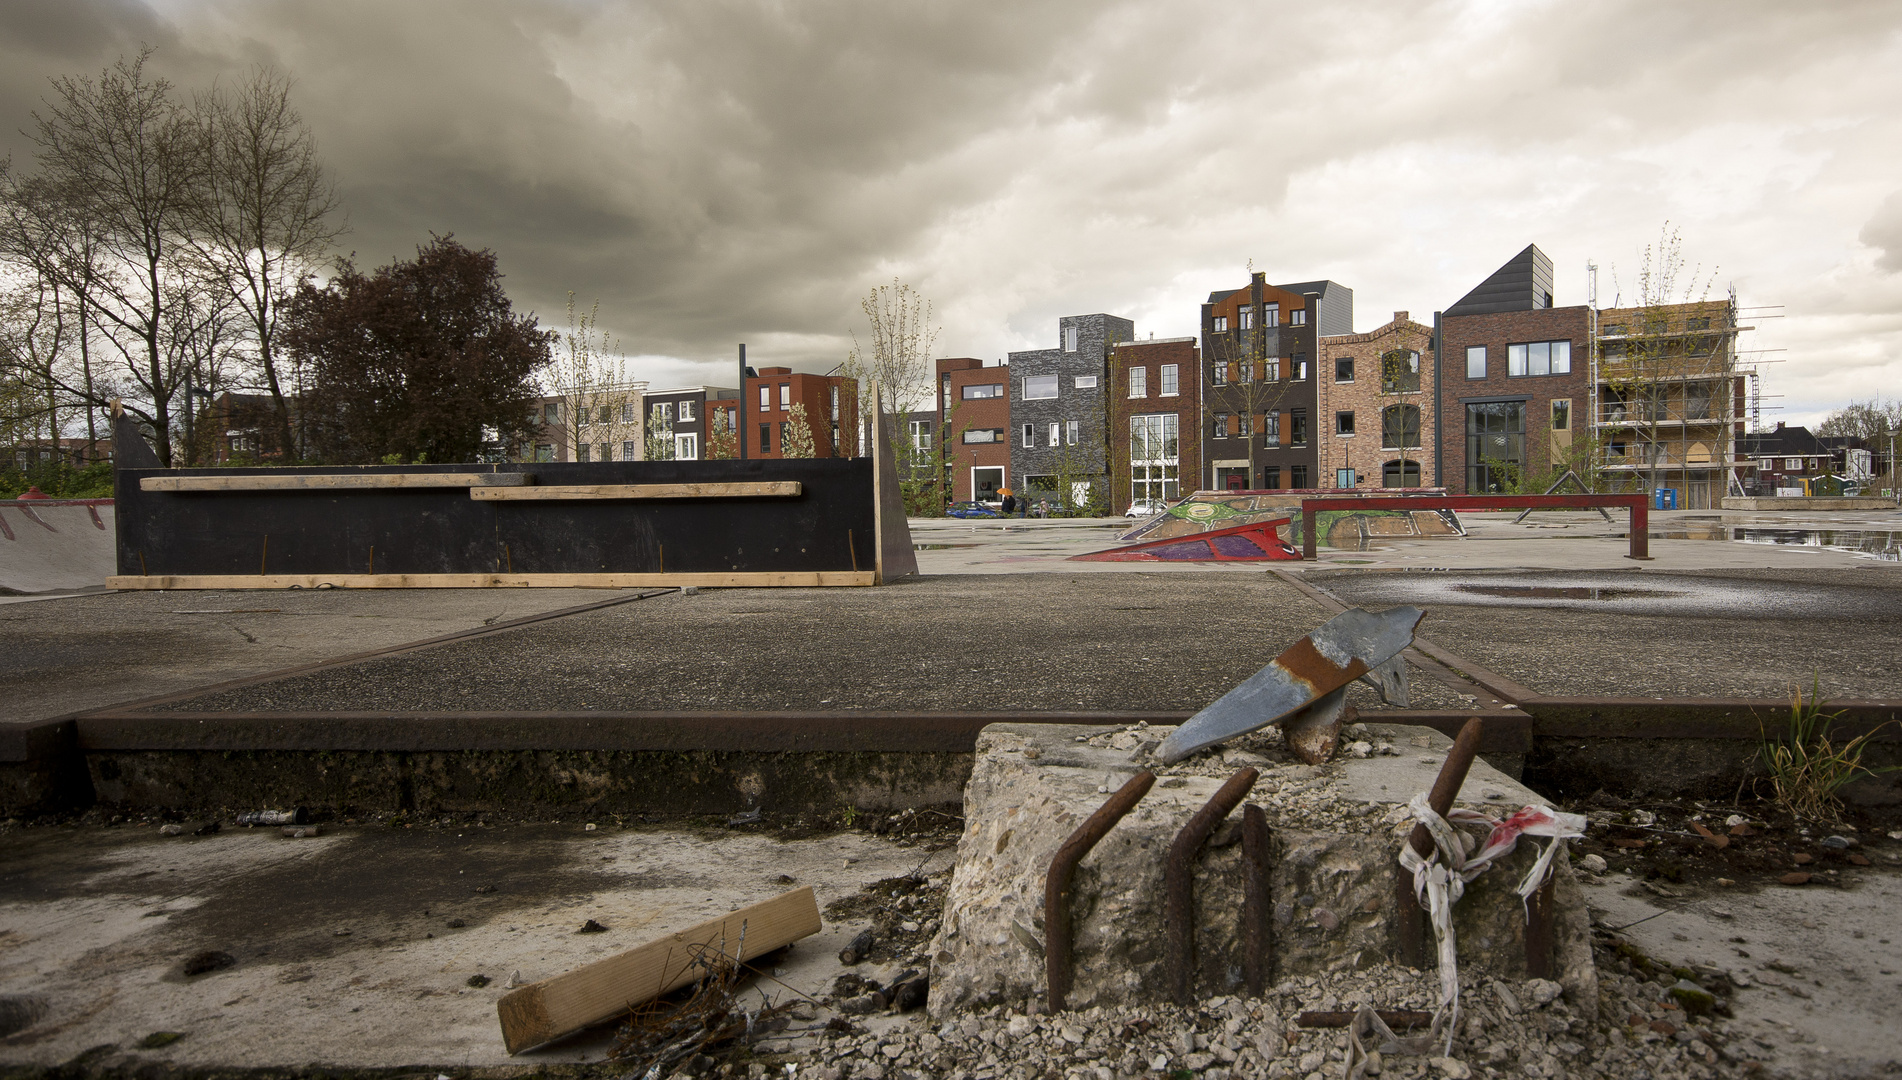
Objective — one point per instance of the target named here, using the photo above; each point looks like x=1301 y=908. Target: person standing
x=1010 y=501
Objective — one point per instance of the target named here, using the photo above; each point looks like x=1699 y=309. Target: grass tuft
x=1806 y=767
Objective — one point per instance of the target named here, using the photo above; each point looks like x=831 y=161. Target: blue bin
x=1664 y=498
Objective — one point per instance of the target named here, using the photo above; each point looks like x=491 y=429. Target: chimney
x=1779 y=425
x=1401 y=316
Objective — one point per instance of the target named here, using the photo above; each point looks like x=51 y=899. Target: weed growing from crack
x=1806 y=767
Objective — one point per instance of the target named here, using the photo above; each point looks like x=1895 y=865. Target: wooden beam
x=737 y=580
x=752 y=490
x=332 y=481
x=544 y=1011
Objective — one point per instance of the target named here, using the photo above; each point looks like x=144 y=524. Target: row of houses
x=1501 y=391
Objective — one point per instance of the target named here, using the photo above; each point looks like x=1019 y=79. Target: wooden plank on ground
x=544 y=1011
x=803 y=579
x=333 y=482
x=566 y=492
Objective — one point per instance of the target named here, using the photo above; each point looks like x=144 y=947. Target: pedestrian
x=1010 y=501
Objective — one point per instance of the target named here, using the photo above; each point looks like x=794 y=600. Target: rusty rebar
x=1256 y=941
x=1396 y=1019
x=1179 y=884
x=1539 y=909
x=1410 y=926
x=1056 y=883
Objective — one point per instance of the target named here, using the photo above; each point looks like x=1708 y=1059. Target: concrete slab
x=1680 y=540
x=1821 y=969
x=343 y=948
x=93 y=650
x=55 y=545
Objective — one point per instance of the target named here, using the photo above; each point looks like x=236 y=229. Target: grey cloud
x=727 y=170
x=1884 y=232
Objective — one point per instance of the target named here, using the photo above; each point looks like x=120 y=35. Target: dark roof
x=1782 y=442
x=1220 y=295
x=1523 y=284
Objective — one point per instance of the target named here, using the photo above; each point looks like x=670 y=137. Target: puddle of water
x=1565 y=592
x=939 y=547
x=1876 y=544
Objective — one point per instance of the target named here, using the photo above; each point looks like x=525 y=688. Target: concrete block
x=1336 y=832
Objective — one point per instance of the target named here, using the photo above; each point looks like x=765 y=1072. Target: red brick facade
x=1170 y=471
x=1379 y=384
x=1539 y=439
x=768 y=401
x=983 y=466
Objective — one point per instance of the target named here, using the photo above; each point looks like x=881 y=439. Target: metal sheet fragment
x=1343 y=649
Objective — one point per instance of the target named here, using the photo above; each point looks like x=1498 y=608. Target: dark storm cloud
x=723 y=170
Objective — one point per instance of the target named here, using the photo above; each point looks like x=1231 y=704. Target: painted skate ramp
x=51 y=545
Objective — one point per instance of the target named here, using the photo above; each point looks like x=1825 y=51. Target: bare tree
x=121 y=154
x=897 y=358
x=589 y=376
x=267 y=216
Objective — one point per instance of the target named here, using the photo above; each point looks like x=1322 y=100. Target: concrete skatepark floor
x=93 y=913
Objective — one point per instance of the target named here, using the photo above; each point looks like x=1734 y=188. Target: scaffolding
x=1669 y=396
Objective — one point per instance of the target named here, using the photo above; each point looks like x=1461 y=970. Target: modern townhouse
x=1375 y=400
x=1155 y=404
x=1258 y=355
x=682 y=422
x=973 y=428
x=1059 y=413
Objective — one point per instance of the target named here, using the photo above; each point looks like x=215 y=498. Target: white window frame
x=1170 y=380
x=1003 y=479
x=1069 y=431
x=1056 y=433
x=920 y=434
x=628 y=412
x=629 y=450
x=1139 y=382
x=1052 y=383
x=687 y=447
x=1069 y=339
x=1086 y=382
x=785 y=396
x=1221 y=324
x=1298 y=317
x=686 y=410
x=1030 y=435
x=1475 y=353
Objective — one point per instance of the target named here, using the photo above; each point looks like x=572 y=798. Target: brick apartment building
x=606 y=424
x=1375 y=400
x=1258 y=350
x=1155 y=405
x=681 y=425
x=770 y=398
x=973 y=428
x=1058 y=410
x=1516 y=385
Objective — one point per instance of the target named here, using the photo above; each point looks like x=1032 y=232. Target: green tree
x=417 y=358
x=896 y=358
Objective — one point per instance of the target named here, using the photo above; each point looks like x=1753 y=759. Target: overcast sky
x=716 y=172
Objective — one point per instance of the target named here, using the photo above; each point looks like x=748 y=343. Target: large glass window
x=1476 y=361
x=1155 y=457
x=1271 y=314
x=977 y=436
x=1139 y=382
x=1247 y=317
x=1169 y=380
x=1039 y=387
x=1400 y=427
x=1539 y=358
x=686 y=412
x=921 y=434
x=1495 y=445
x=982 y=391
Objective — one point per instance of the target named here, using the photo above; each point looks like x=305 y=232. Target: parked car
x=971 y=510
x=1145 y=508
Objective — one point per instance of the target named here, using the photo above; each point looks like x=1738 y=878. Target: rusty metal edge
x=1179 y=883
x=1394 y=1018
x=901 y=732
x=1058 y=970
